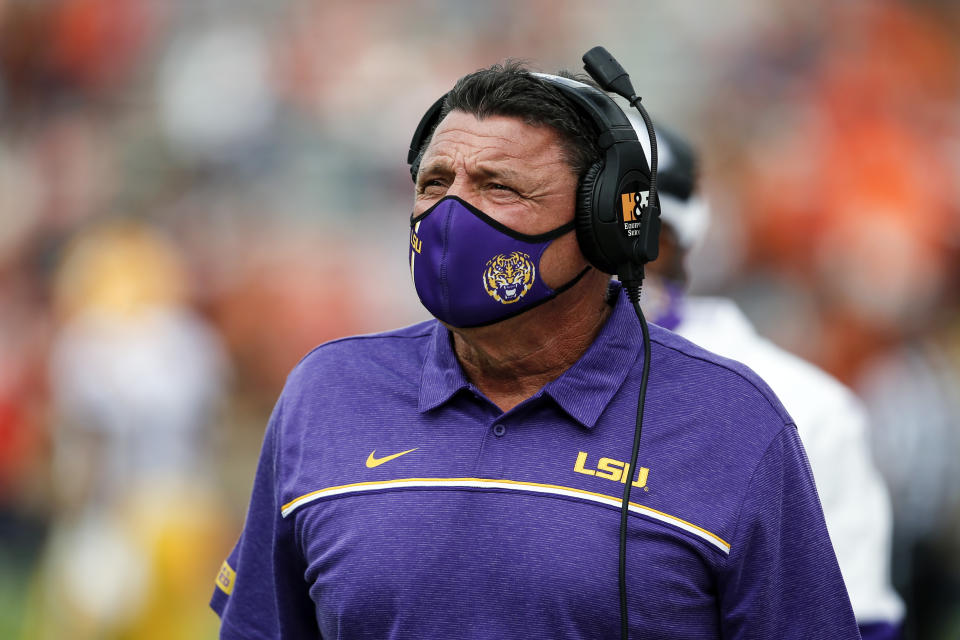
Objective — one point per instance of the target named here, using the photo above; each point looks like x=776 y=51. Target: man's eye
x=501 y=187
x=430 y=185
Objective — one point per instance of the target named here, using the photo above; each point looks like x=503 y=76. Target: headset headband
x=598 y=107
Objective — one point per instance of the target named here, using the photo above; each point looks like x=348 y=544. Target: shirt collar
x=583 y=391
x=442 y=376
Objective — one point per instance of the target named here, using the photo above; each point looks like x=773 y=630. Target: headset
x=617 y=217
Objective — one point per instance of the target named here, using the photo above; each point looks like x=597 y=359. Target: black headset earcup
x=584 y=217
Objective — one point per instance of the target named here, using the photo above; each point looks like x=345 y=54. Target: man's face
x=513 y=172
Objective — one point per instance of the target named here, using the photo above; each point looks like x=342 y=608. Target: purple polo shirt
x=393 y=500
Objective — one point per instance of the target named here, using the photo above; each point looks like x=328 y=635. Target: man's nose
x=462 y=188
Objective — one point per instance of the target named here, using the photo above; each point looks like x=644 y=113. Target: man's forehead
x=492 y=139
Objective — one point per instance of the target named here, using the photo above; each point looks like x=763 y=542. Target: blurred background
x=194 y=193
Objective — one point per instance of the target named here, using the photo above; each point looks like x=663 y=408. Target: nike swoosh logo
x=376 y=462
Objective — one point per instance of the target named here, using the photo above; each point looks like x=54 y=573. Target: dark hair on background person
x=510 y=89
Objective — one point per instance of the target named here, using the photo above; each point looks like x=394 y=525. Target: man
x=830 y=419
x=462 y=479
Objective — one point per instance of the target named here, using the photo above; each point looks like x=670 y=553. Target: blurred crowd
x=194 y=193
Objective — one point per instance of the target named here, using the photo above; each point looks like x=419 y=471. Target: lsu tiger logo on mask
x=509 y=278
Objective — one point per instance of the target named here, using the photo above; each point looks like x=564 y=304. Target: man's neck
x=511 y=360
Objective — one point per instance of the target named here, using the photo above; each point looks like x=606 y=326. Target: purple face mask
x=470 y=270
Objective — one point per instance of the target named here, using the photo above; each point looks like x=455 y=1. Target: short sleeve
x=260 y=590
x=781 y=579
x=858 y=512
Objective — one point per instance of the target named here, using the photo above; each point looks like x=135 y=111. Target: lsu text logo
x=611 y=469
x=416 y=246
x=633 y=204
x=415 y=242
x=509 y=278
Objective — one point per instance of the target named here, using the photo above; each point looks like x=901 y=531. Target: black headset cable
x=611 y=76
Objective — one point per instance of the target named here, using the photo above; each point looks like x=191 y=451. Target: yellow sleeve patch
x=226 y=578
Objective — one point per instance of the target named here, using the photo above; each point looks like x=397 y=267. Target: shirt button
x=499 y=430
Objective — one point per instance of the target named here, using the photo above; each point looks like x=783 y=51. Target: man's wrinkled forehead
x=494 y=145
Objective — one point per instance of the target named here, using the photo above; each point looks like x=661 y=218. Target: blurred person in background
x=831 y=420
x=912 y=393
x=450 y=479
x=844 y=188
x=136 y=379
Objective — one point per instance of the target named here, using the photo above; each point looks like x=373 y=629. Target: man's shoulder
x=710 y=423
x=808 y=392
x=397 y=351
x=714 y=379
x=394 y=338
